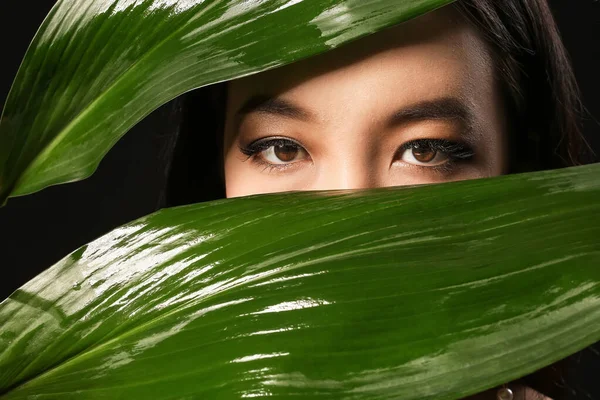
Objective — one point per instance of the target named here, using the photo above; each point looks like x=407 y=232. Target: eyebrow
x=265 y=104
x=444 y=108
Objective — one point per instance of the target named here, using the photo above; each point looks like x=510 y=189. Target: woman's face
x=414 y=104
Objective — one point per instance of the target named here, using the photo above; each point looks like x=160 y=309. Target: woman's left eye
x=423 y=156
x=432 y=152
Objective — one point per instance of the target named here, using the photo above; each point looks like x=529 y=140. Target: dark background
x=40 y=229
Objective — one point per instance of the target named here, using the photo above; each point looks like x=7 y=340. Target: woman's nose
x=346 y=174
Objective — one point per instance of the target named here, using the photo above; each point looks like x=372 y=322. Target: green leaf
x=435 y=292
x=97 y=67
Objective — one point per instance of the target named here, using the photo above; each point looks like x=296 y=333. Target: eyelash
x=456 y=151
x=260 y=145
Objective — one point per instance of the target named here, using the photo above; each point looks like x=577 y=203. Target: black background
x=40 y=229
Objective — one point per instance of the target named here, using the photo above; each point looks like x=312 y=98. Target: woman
x=477 y=89
x=497 y=69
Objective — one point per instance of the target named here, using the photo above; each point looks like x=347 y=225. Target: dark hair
x=534 y=73
x=537 y=79
x=195 y=164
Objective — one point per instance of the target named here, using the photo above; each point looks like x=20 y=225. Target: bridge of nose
x=348 y=170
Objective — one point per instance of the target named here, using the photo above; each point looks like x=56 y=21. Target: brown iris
x=286 y=152
x=423 y=154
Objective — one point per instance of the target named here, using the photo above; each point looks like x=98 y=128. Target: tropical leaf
x=435 y=292
x=97 y=67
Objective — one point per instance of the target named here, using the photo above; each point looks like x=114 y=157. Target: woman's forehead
x=428 y=53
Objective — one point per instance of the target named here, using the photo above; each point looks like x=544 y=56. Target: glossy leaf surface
x=434 y=292
x=97 y=67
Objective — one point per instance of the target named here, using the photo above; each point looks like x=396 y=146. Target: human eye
x=433 y=153
x=275 y=152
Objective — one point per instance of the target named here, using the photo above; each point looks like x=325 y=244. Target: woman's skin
x=414 y=104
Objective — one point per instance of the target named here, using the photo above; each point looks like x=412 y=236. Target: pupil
x=423 y=155
x=286 y=152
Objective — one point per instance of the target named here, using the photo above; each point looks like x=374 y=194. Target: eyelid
x=264 y=143
x=454 y=149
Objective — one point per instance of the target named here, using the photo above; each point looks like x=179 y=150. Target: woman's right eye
x=276 y=152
